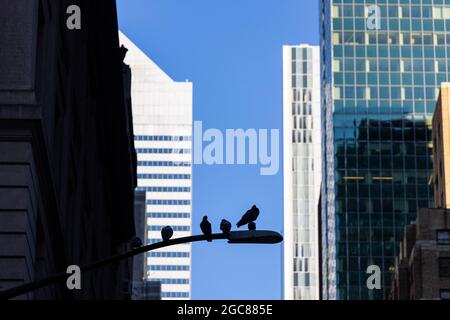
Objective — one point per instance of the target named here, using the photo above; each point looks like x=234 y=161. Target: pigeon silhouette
x=205 y=225
x=166 y=233
x=252 y=226
x=250 y=216
x=225 y=226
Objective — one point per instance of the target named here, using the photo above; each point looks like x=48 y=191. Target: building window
x=169 y=255
x=165 y=189
x=336 y=38
x=174 y=294
x=175 y=228
x=437 y=13
x=163 y=138
x=163 y=164
x=443 y=237
x=444 y=267
x=170 y=215
x=336 y=65
x=168 y=268
x=337 y=93
x=441 y=12
x=335 y=12
x=445 y=294
x=172 y=281
x=163 y=176
x=169 y=202
x=163 y=150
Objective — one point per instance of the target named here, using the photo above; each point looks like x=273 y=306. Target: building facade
x=441 y=148
x=302 y=171
x=382 y=64
x=422 y=268
x=67 y=158
x=162 y=115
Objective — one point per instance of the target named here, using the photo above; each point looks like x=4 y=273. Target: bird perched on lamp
x=166 y=233
x=205 y=226
x=250 y=216
x=225 y=226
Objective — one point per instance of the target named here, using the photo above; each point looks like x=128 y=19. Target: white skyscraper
x=162 y=117
x=302 y=171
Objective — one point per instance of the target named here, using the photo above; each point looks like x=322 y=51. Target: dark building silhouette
x=67 y=158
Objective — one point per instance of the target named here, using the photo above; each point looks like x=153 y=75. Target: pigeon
x=252 y=226
x=206 y=228
x=225 y=226
x=250 y=216
x=166 y=233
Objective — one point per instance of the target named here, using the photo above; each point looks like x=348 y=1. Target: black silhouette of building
x=67 y=158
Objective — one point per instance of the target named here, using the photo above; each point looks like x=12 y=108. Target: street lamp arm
x=233 y=237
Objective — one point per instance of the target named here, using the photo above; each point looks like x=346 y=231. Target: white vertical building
x=302 y=171
x=162 y=116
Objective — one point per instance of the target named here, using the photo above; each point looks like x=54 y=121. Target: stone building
x=67 y=157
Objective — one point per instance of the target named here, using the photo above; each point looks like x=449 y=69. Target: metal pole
x=25 y=288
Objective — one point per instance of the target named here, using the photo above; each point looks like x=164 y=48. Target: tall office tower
x=162 y=116
x=383 y=62
x=302 y=171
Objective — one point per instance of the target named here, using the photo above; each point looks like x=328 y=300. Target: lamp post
x=234 y=237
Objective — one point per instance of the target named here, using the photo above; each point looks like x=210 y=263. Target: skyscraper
x=382 y=64
x=162 y=116
x=302 y=171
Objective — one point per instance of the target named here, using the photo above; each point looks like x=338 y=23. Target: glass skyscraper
x=382 y=64
x=302 y=171
x=162 y=121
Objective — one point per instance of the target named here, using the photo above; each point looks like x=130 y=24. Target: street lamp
x=234 y=237
x=258 y=237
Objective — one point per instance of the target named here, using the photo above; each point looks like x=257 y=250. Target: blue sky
x=232 y=52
